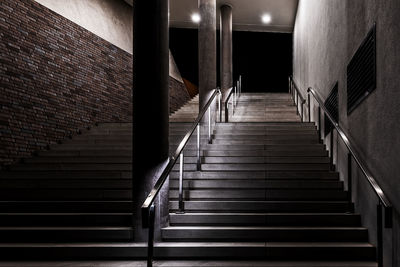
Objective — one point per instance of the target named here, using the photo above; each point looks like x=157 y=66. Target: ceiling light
x=266 y=18
x=196 y=18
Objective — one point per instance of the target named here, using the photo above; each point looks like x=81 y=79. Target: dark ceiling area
x=263 y=59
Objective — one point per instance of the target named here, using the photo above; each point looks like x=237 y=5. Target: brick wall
x=55 y=77
x=178 y=95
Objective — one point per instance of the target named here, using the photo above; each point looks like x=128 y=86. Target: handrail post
x=198 y=148
x=379 y=226
x=302 y=111
x=181 y=166
x=240 y=82
x=235 y=97
x=233 y=106
x=331 y=148
x=209 y=124
x=219 y=107
x=226 y=111
x=349 y=178
x=309 y=107
x=297 y=103
x=319 y=124
x=150 y=241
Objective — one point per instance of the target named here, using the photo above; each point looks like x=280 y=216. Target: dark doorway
x=263 y=59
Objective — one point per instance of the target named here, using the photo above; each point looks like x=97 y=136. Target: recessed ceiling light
x=266 y=18
x=196 y=18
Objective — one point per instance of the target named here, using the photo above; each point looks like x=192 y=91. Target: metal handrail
x=163 y=177
x=226 y=104
x=377 y=189
x=236 y=91
x=297 y=89
x=296 y=94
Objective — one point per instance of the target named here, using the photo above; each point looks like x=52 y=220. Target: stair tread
x=192 y=244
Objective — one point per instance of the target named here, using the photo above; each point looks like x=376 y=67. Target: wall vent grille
x=361 y=72
x=332 y=105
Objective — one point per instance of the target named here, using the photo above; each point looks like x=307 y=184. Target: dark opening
x=263 y=59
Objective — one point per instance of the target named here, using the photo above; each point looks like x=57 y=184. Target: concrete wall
x=327 y=34
x=112 y=20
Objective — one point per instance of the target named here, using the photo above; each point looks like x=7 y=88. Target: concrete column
x=207 y=50
x=226 y=49
x=150 y=105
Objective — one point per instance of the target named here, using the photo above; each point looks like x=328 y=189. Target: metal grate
x=361 y=72
x=332 y=105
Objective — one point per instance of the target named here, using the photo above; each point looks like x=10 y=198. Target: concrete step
x=260 y=194
x=256 y=175
x=30 y=206
x=262 y=118
x=266 y=219
x=260 y=167
x=72 y=166
x=278 y=132
x=65 y=234
x=266 y=141
x=267 y=136
x=221 y=167
x=111 y=152
x=268 y=147
x=263 y=206
x=254 y=184
x=65 y=194
x=67 y=174
x=316 y=251
x=61 y=158
x=65 y=184
x=268 y=159
x=258 y=153
x=65 y=219
x=272 y=234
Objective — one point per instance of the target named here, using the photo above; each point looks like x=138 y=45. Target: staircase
x=187 y=113
x=266 y=192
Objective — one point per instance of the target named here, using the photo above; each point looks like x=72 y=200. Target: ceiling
x=246 y=14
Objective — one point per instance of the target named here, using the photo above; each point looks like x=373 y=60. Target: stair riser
x=66 y=207
x=45 y=236
x=255 y=153
x=254 y=184
x=65 y=174
x=255 y=167
x=266 y=147
x=260 y=194
x=258 y=175
x=259 y=206
x=331 y=253
x=65 y=184
x=305 y=160
x=72 y=167
x=70 y=220
x=271 y=235
x=259 y=219
x=62 y=194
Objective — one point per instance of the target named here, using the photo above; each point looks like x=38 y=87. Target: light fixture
x=266 y=18
x=196 y=17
